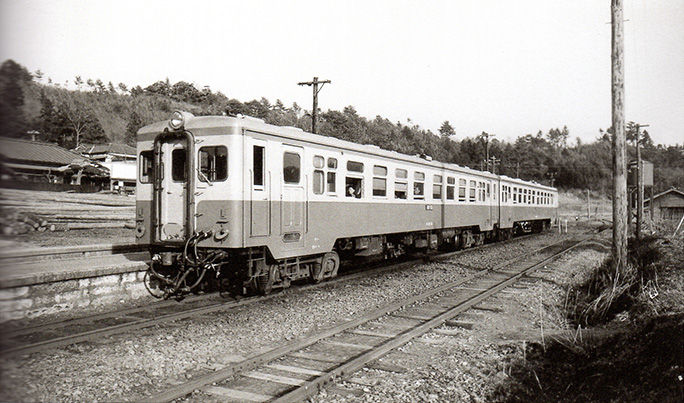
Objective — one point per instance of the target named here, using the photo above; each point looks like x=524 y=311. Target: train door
x=260 y=187
x=172 y=194
x=493 y=193
x=293 y=198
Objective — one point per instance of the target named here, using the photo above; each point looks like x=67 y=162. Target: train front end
x=188 y=207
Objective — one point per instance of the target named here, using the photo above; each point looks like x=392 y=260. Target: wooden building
x=668 y=205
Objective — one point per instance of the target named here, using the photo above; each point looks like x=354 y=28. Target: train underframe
x=177 y=271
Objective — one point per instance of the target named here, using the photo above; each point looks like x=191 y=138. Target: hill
x=99 y=112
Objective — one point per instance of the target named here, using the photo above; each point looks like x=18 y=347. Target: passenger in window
x=351 y=192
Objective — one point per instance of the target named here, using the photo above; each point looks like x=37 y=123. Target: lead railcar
x=251 y=206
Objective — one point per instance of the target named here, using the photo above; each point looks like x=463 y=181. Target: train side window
x=437 y=187
x=332 y=163
x=354 y=187
x=258 y=165
x=146 y=166
x=401 y=183
x=451 y=185
x=291 y=168
x=331 y=182
x=462 y=190
x=318 y=182
x=472 y=192
x=178 y=157
x=515 y=195
x=318 y=161
x=419 y=185
x=379 y=180
x=213 y=163
x=354 y=166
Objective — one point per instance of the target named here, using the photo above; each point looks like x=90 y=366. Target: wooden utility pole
x=316 y=90
x=486 y=136
x=619 y=249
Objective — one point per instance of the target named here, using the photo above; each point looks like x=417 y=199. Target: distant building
x=120 y=159
x=23 y=162
x=668 y=205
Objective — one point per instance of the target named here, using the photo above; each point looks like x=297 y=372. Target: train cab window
x=437 y=187
x=419 y=185
x=178 y=158
x=258 y=165
x=213 y=163
x=332 y=176
x=401 y=184
x=318 y=182
x=354 y=187
x=451 y=186
x=489 y=191
x=379 y=180
x=291 y=168
x=462 y=190
x=146 y=166
x=472 y=195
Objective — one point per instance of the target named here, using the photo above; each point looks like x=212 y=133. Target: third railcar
x=258 y=206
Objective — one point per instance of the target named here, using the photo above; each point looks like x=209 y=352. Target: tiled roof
x=36 y=152
x=107 y=149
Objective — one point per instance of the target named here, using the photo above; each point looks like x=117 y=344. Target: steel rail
x=134 y=324
x=252 y=362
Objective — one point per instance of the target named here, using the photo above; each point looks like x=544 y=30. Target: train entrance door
x=260 y=188
x=293 y=198
x=493 y=197
x=173 y=190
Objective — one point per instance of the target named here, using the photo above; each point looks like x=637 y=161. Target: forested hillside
x=99 y=112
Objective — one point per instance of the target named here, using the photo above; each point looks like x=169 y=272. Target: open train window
x=213 y=163
x=354 y=187
x=291 y=168
x=146 y=166
x=401 y=183
x=178 y=158
x=419 y=185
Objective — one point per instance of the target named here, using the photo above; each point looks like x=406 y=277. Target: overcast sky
x=505 y=67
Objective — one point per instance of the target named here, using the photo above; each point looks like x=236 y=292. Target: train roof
x=218 y=124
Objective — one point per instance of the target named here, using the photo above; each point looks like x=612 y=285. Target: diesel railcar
x=253 y=206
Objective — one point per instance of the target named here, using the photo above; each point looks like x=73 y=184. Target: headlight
x=178 y=119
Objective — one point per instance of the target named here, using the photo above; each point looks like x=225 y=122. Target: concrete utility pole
x=619 y=249
x=640 y=184
x=316 y=90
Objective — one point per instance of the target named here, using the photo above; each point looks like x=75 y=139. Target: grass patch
x=624 y=337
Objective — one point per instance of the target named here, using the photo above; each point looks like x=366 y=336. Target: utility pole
x=316 y=90
x=619 y=249
x=486 y=137
x=495 y=162
x=640 y=184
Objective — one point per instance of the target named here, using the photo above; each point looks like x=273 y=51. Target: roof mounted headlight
x=178 y=119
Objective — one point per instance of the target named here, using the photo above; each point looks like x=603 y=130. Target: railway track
x=28 y=340
x=299 y=370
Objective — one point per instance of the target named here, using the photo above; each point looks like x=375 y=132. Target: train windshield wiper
x=204 y=177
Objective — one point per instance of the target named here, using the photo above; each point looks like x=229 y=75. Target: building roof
x=111 y=148
x=15 y=150
x=676 y=191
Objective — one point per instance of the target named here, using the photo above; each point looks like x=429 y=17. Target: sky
x=509 y=68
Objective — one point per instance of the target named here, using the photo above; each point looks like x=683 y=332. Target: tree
x=13 y=79
x=446 y=130
x=134 y=123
